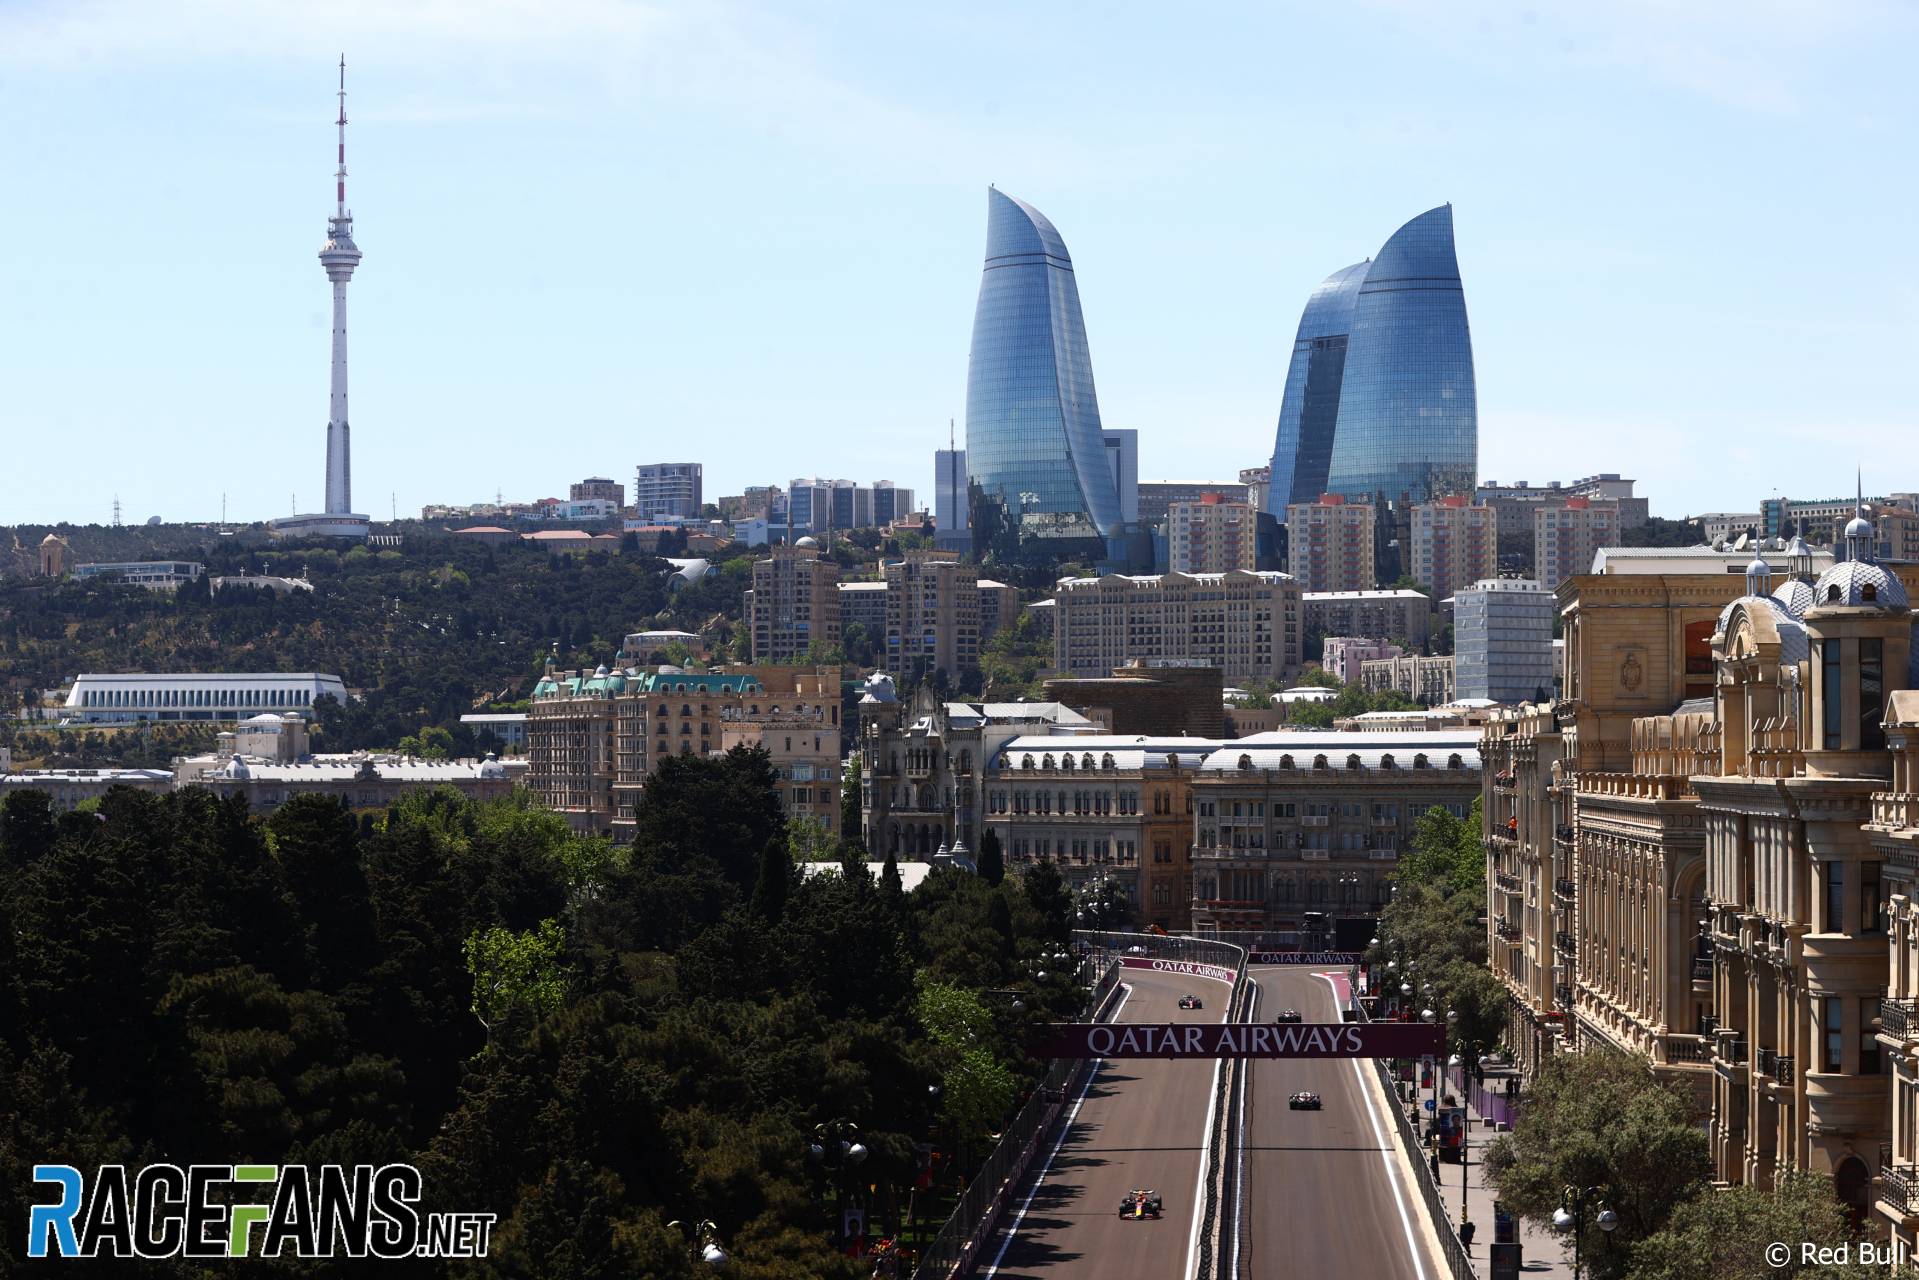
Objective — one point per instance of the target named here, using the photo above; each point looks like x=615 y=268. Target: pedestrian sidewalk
x=1543 y=1253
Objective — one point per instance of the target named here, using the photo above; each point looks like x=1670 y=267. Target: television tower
x=339 y=255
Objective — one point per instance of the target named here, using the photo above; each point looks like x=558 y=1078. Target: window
x=1872 y=694
x=1870 y=920
x=1835 y=897
x=1869 y=1060
x=1835 y=1028
x=1829 y=690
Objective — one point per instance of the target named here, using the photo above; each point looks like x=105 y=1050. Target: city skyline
x=1648 y=215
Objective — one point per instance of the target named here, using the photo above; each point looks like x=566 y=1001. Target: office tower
x=1566 y=537
x=1035 y=452
x=1122 y=459
x=1503 y=640
x=949 y=495
x=1213 y=535
x=794 y=603
x=1454 y=543
x=889 y=502
x=1379 y=395
x=1330 y=544
x=667 y=489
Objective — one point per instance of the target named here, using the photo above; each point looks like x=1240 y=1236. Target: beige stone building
x=1894 y=833
x=803 y=740
x=1212 y=535
x=1399 y=614
x=933 y=620
x=1248 y=624
x=1329 y=545
x=1455 y=543
x=794 y=603
x=1566 y=537
x=1427 y=680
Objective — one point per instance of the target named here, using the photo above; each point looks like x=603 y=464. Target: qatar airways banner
x=1303 y=957
x=1242 y=1040
x=1191 y=968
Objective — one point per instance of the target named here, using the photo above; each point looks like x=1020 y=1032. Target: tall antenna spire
x=339 y=176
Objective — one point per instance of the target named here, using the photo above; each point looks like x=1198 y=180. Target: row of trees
x=591 y=1042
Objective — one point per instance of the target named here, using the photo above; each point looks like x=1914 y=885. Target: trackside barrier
x=955 y=1250
x=1233 y=1158
x=1456 y=1260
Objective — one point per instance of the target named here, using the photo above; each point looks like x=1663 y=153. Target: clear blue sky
x=603 y=233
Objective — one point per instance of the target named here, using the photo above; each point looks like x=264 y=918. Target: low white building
x=154 y=575
x=67 y=788
x=126 y=698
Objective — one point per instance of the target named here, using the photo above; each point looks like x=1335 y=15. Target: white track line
x=1239 y=1165
x=1389 y=1146
x=1006 y=1243
x=1205 y=1143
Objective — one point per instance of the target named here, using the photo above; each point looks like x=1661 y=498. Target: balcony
x=1382 y=855
x=1702 y=969
x=1899 y=1018
x=1783 y=1069
x=1566 y=944
x=1895 y=810
x=1899 y=1182
x=1563 y=833
x=1507 y=881
x=1732 y=1048
x=1315 y=820
x=1768 y=1062
x=1563 y=889
x=1506 y=929
x=1682 y=1048
x=1563 y=997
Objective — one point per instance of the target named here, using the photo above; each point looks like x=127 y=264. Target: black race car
x=1286 y=1015
x=1304 y=1101
x=1190 y=1002
x=1140 y=1203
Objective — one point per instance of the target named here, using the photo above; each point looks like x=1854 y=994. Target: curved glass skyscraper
x=1035 y=459
x=1407 y=422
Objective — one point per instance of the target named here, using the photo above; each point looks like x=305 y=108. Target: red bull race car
x=1286 y=1015
x=1304 y=1101
x=1140 y=1203
x=1189 y=1002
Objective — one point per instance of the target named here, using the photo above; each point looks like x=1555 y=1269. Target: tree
x=516 y=972
x=1602 y=1120
x=1446 y=853
x=852 y=825
x=1103 y=904
x=992 y=864
x=975 y=1091
x=773 y=884
x=1723 y=1235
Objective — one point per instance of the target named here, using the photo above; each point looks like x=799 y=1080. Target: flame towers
x=1038 y=477
x=1380 y=397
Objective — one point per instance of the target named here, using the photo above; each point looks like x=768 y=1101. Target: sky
x=601 y=233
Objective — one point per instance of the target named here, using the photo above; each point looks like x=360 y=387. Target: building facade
x=1246 y=624
x=1401 y=614
x=1329 y=544
x=794 y=603
x=597 y=487
x=1567 y=537
x=1455 y=543
x=154 y=575
x=1426 y=680
x=932 y=615
x=1035 y=453
x=1342 y=657
x=1503 y=641
x=224 y=695
x=1516 y=502
x=668 y=489
x=1213 y=535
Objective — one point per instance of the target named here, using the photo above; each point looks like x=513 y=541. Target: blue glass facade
x=1304 y=450
x=1033 y=440
x=1407 y=423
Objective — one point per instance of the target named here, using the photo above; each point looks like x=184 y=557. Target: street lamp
x=1571 y=1215
x=702 y=1242
x=837 y=1149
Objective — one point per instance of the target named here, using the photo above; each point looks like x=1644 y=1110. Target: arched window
x=1352 y=761
x=1286 y=761
x=1245 y=762
x=1046 y=761
x=1106 y=761
x=1386 y=761
x=1869 y=592
x=660 y=713
x=1026 y=762
x=1319 y=762
x=1454 y=762
x=1086 y=761
x=1419 y=761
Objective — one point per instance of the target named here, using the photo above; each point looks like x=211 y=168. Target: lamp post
x=1571 y=1215
x=702 y=1242
x=836 y=1148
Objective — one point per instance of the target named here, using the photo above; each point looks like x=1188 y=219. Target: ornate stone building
x=1894 y=832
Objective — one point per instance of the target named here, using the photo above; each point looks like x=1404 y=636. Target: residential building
x=794 y=603
x=1105 y=807
x=1567 y=537
x=932 y=615
x=593 y=738
x=1819 y=521
x=1516 y=502
x=1154 y=699
x=668 y=489
x=923 y=764
x=154 y=575
x=1035 y=449
x=864 y=603
x=1379 y=396
x=1726 y=526
x=998 y=607
x=1246 y=624
x=598 y=487
x=1301 y=820
x=1213 y=535
x=1503 y=641
x=804 y=745
x=1329 y=544
x=1156 y=497
x=68 y=789
x=132 y=697
x=1427 y=680
x=1893 y=831
x=508 y=727
x=1401 y=615
x=1455 y=543
x=1342 y=656
x=1895 y=533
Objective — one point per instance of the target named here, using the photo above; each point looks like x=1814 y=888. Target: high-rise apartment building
x=1330 y=544
x=1517 y=501
x=1567 y=537
x=1257 y=480
x=1503 y=640
x=1246 y=624
x=1454 y=543
x=933 y=618
x=1034 y=445
x=668 y=489
x=1379 y=396
x=794 y=603
x=1214 y=535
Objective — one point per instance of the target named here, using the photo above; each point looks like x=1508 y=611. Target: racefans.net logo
x=246 y=1210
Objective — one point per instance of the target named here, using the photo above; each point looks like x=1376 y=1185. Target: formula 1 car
x=1286 y=1015
x=1189 y=1002
x=1304 y=1101
x=1140 y=1203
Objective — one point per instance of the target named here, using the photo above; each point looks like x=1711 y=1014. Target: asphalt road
x=1318 y=1196
x=1141 y=1124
